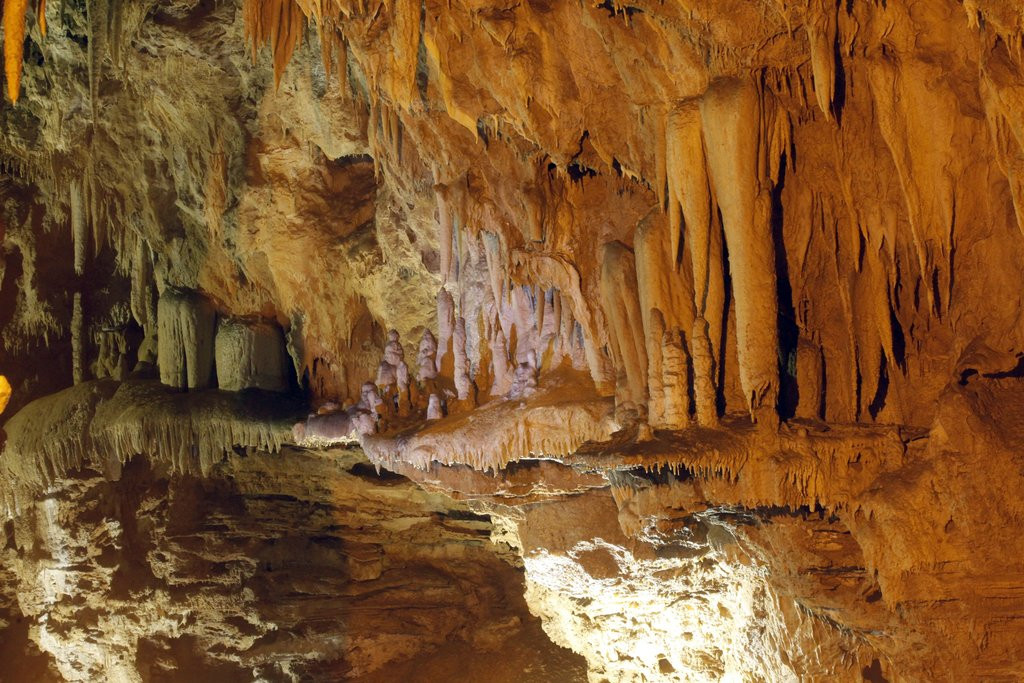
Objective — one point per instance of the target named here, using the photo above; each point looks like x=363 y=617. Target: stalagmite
x=393 y=375
x=426 y=358
x=666 y=301
x=499 y=363
x=655 y=387
x=369 y=398
x=250 y=355
x=622 y=310
x=675 y=373
x=463 y=384
x=142 y=301
x=810 y=379
x=445 y=328
x=730 y=113
x=185 y=339
x=524 y=383
x=434 y=411
x=704 y=369
x=111 y=355
x=77 y=340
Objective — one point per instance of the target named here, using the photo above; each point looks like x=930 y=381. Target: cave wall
x=752 y=265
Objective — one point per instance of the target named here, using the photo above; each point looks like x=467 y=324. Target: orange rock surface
x=711 y=308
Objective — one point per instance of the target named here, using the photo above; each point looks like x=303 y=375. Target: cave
x=511 y=342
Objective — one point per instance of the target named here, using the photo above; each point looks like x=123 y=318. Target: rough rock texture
x=714 y=306
x=275 y=567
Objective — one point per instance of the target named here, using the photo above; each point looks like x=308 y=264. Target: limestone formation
x=186 y=324
x=716 y=312
x=250 y=355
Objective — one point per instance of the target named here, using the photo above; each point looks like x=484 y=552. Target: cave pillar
x=185 y=339
x=691 y=209
x=250 y=355
x=731 y=120
x=625 y=325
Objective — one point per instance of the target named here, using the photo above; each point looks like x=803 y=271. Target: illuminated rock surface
x=431 y=341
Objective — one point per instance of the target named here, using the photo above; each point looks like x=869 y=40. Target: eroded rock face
x=714 y=311
x=277 y=567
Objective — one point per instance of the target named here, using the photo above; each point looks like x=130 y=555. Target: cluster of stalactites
x=102 y=425
x=663 y=314
x=715 y=154
x=663 y=302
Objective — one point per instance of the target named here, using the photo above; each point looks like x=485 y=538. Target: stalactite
x=458 y=259
x=1005 y=115
x=911 y=115
x=821 y=35
x=405 y=43
x=562 y=274
x=524 y=322
x=444 y=234
x=535 y=218
x=14 y=39
x=277 y=23
x=540 y=300
x=559 y=339
x=96 y=14
x=730 y=113
x=373 y=133
x=690 y=192
x=661 y=160
x=395 y=125
x=567 y=333
x=78 y=228
x=92 y=196
x=343 y=84
x=328 y=41
x=495 y=265
x=114 y=30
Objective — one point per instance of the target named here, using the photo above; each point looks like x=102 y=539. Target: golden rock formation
x=709 y=311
